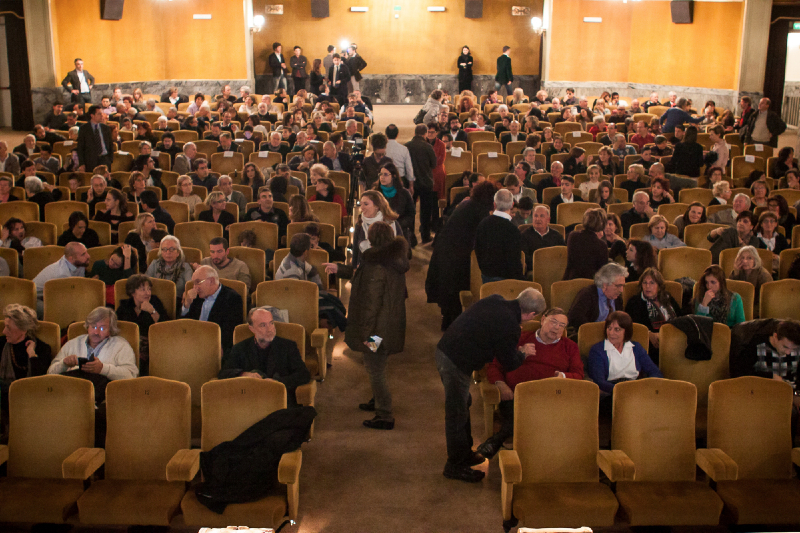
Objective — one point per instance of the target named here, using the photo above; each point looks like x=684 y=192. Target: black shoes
x=462 y=473
x=492 y=445
x=369 y=406
x=379 y=423
x=475 y=459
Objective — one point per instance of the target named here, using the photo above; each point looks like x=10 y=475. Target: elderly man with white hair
x=595 y=302
x=498 y=242
x=554 y=180
x=225 y=184
x=8 y=162
x=741 y=203
x=640 y=213
x=101 y=355
x=676 y=183
x=183 y=162
x=210 y=301
x=27 y=148
x=274 y=144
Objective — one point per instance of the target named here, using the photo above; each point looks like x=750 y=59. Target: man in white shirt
x=100 y=356
x=399 y=154
x=72 y=264
x=79 y=82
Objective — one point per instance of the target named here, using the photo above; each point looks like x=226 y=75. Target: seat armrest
x=442 y=204
x=616 y=465
x=289 y=467
x=466 y=298
x=3 y=453
x=319 y=341
x=343 y=241
x=795 y=456
x=82 y=463
x=510 y=466
x=716 y=464
x=305 y=394
x=184 y=465
x=490 y=393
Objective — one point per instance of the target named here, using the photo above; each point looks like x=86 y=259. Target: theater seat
x=749 y=421
x=548 y=267
x=148 y=437
x=653 y=425
x=17 y=291
x=69 y=300
x=551 y=477
x=231 y=406
x=779 y=299
x=51 y=419
x=675 y=263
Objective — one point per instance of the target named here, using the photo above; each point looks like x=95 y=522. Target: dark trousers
x=428 y=210
x=506 y=410
x=81 y=98
x=457 y=401
x=298 y=83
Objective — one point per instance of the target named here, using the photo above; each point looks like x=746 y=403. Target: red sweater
x=562 y=356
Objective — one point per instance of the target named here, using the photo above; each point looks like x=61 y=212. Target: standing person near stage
x=79 y=83
x=504 y=75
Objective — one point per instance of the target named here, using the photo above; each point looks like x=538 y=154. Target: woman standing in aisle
x=465 y=70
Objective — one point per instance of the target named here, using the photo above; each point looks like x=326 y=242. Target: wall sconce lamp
x=537 y=25
x=258 y=23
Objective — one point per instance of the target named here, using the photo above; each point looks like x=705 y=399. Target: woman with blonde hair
x=185 y=195
x=747 y=267
x=23 y=354
x=138 y=185
x=300 y=211
x=141 y=238
x=518 y=97
x=317 y=172
x=171 y=265
x=216 y=212
x=374 y=208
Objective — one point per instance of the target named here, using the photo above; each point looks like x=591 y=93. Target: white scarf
x=621 y=365
x=366 y=222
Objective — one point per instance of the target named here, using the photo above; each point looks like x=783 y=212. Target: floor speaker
x=320 y=9
x=111 y=9
x=473 y=9
x=682 y=11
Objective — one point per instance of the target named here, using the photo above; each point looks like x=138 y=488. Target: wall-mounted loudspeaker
x=111 y=9
x=320 y=9
x=682 y=11
x=473 y=9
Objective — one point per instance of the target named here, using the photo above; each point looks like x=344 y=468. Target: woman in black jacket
x=586 y=253
x=378 y=309
x=464 y=70
x=653 y=306
x=400 y=200
x=576 y=162
x=143 y=308
x=79 y=231
x=688 y=155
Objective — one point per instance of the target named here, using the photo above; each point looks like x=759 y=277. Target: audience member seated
x=767 y=232
x=72 y=264
x=741 y=203
x=771 y=352
x=8 y=161
x=636 y=180
x=660 y=193
x=121 y=264
x=150 y=205
x=225 y=184
x=300 y=210
x=266 y=356
x=659 y=236
x=586 y=253
x=642 y=136
x=552 y=355
x=652 y=307
x=46 y=162
x=227 y=267
x=566 y=197
x=295 y=265
x=216 y=212
x=760 y=192
x=618 y=358
x=523 y=211
x=639 y=256
x=576 y=162
x=141 y=238
x=5 y=190
x=612 y=237
x=713 y=299
x=640 y=213
x=556 y=148
x=100 y=356
x=27 y=149
x=79 y=231
x=201 y=175
x=210 y=301
x=595 y=302
x=12 y=235
x=184 y=161
x=137 y=185
x=554 y=180
x=747 y=267
x=171 y=265
x=722 y=193
x=96 y=194
x=790 y=180
x=695 y=214
x=143 y=308
x=116 y=212
x=184 y=195
x=498 y=243
x=514 y=184
x=266 y=212
x=779 y=206
x=24 y=355
x=39 y=193
x=735 y=237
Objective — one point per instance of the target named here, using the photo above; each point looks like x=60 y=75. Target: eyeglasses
x=200 y=282
x=554 y=322
x=97 y=328
x=169 y=249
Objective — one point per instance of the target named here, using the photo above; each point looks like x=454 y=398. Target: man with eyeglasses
x=100 y=356
x=553 y=355
x=595 y=302
x=210 y=301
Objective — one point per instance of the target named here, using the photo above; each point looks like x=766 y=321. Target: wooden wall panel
x=418 y=42
x=155 y=40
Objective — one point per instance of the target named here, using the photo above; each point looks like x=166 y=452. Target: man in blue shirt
x=209 y=301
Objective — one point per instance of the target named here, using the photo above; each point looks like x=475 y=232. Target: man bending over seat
x=553 y=355
x=266 y=356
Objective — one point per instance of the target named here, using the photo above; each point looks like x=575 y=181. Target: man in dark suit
x=504 y=76
x=333 y=158
x=298 y=62
x=278 y=65
x=94 y=142
x=79 y=83
x=455 y=131
x=210 y=301
x=595 y=302
x=266 y=356
x=173 y=97
x=27 y=149
x=338 y=76
x=275 y=144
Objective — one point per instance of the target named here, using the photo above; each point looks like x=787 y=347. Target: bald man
x=72 y=264
x=210 y=301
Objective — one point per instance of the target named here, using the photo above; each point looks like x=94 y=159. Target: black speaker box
x=111 y=9
x=682 y=11
x=473 y=9
x=320 y=9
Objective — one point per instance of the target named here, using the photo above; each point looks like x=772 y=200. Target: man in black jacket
x=278 y=65
x=498 y=242
x=79 y=83
x=338 y=76
x=210 y=301
x=540 y=234
x=94 y=142
x=150 y=205
x=489 y=329
x=763 y=126
x=504 y=75
x=266 y=356
x=423 y=160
